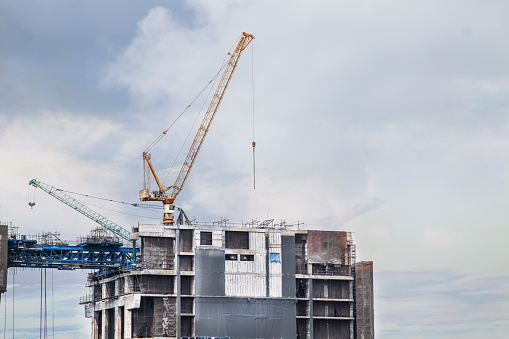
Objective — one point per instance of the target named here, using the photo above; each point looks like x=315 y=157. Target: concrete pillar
x=118 y=322
x=127 y=323
x=96 y=325
x=365 y=302
x=311 y=310
x=104 y=324
x=4 y=244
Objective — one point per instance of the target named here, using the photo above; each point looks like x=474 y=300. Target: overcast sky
x=385 y=118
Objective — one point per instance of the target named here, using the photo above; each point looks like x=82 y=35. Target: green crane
x=86 y=211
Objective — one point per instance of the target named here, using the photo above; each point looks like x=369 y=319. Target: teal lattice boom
x=86 y=211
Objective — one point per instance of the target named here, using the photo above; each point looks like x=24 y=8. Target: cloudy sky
x=385 y=118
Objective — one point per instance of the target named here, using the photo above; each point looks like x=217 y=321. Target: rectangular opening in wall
x=186 y=262
x=159 y=284
x=300 y=253
x=187 y=326
x=121 y=315
x=143 y=319
x=157 y=252
x=205 y=238
x=186 y=305
x=323 y=308
x=186 y=240
x=230 y=257
x=98 y=328
x=237 y=240
x=302 y=306
x=332 y=289
x=331 y=328
x=110 y=323
x=301 y=288
x=110 y=289
x=246 y=257
x=121 y=286
x=330 y=269
x=97 y=292
x=302 y=328
x=186 y=286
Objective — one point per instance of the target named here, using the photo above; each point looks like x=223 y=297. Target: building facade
x=234 y=282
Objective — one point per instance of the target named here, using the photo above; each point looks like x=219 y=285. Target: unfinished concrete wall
x=157 y=252
x=327 y=247
x=3 y=257
x=364 y=302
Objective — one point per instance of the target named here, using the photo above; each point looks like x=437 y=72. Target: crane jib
x=145 y=195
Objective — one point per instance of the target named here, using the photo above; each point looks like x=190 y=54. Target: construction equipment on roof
x=86 y=211
x=160 y=195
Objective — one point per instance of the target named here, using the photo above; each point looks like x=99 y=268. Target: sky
x=387 y=119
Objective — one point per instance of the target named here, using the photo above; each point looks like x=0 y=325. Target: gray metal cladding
x=245 y=318
x=288 y=266
x=209 y=278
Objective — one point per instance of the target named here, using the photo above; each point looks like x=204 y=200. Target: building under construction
x=185 y=280
x=249 y=281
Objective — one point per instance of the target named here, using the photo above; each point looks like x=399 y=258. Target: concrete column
x=104 y=326
x=118 y=321
x=311 y=310
x=127 y=323
x=96 y=328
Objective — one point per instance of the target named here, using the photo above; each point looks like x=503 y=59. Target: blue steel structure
x=91 y=214
x=29 y=254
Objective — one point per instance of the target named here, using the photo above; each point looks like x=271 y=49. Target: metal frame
x=27 y=253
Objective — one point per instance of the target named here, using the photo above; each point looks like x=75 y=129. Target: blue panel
x=275 y=257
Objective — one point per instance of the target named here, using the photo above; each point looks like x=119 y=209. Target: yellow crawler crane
x=146 y=194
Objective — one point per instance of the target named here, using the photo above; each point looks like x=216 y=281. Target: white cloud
x=387 y=119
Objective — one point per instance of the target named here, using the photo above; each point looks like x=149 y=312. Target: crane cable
x=212 y=81
x=111 y=200
x=185 y=110
x=195 y=120
x=31 y=203
x=254 y=143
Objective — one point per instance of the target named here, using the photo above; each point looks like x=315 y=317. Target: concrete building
x=234 y=282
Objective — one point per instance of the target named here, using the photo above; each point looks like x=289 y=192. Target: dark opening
x=98 y=324
x=186 y=263
x=230 y=257
x=246 y=257
x=110 y=323
x=186 y=240
x=186 y=285
x=205 y=238
x=236 y=239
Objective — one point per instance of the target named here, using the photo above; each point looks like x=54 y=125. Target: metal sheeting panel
x=245 y=318
x=288 y=266
x=256 y=241
x=209 y=276
x=275 y=290
x=275 y=239
x=244 y=285
x=235 y=266
x=217 y=239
